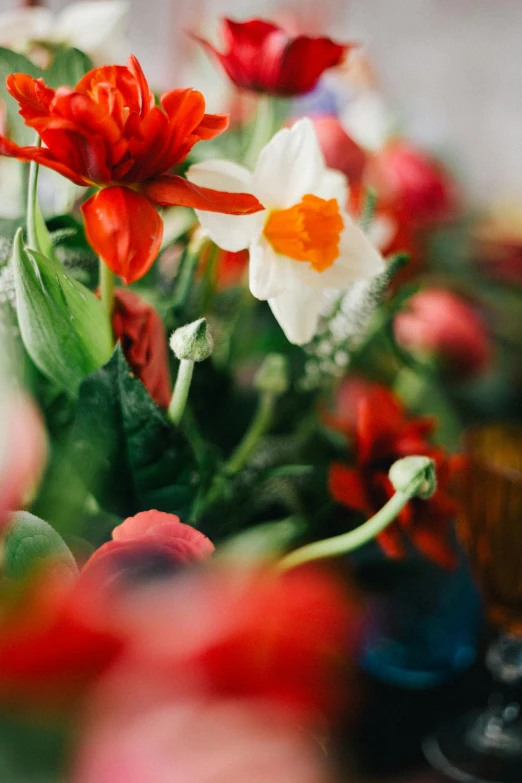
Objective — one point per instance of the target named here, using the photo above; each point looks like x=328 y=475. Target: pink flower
x=22 y=455
x=441 y=323
x=150 y=538
x=200 y=741
x=140 y=330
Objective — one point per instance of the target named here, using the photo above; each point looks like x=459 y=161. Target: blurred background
x=450 y=68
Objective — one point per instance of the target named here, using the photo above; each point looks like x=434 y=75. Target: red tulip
x=442 y=324
x=140 y=330
x=108 y=132
x=260 y=56
x=384 y=433
x=150 y=538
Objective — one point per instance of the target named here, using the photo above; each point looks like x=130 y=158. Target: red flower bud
x=140 y=330
x=443 y=324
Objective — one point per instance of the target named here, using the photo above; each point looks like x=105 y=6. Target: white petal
x=21 y=25
x=297 y=312
x=333 y=184
x=230 y=232
x=289 y=166
x=270 y=274
x=92 y=24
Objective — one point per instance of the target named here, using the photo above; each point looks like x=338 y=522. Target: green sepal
x=31 y=544
x=64 y=327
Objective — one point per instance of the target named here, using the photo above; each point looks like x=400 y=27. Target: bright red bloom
x=383 y=434
x=442 y=324
x=260 y=56
x=140 y=330
x=108 y=132
x=150 y=538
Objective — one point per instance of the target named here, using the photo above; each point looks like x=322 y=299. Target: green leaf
x=64 y=327
x=126 y=450
x=67 y=68
x=30 y=543
x=11 y=62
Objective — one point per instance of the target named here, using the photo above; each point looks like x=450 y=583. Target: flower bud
x=414 y=476
x=272 y=376
x=193 y=341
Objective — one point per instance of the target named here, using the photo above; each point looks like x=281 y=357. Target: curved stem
x=181 y=390
x=106 y=280
x=340 y=545
x=261 y=131
x=258 y=426
x=32 y=231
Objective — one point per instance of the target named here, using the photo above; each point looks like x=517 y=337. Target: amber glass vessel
x=490 y=522
x=486 y=745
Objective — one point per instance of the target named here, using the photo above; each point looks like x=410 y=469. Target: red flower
x=416 y=188
x=441 y=323
x=339 y=150
x=140 y=330
x=149 y=538
x=260 y=56
x=383 y=434
x=108 y=132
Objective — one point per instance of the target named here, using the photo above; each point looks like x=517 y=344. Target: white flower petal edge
x=270 y=273
x=230 y=232
x=289 y=166
x=95 y=26
x=297 y=312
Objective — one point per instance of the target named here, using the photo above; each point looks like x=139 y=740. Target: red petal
x=170 y=190
x=124 y=229
x=304 y=61
x=33 y=96
x=146 y=96
x=41 y=156
x=347 y=487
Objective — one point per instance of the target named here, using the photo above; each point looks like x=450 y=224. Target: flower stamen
x=309 y=231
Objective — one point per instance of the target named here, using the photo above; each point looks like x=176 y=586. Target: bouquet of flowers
x=215 y=372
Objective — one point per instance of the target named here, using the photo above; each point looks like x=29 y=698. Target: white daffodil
x=94 y=26
x=304 y=242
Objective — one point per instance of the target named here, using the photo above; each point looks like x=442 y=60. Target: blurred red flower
x=440 y=323
x=150 y=539
x=140 y=330
x=260 y=56
x=339 y=150
x=384 y=433
x=412 y=185
x=108 y=132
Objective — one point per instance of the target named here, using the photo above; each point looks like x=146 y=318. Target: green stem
x=181 y=390
x=106 y=280
x=341 y=545
x=258 y=426
x=32 y=231
x=262 y=130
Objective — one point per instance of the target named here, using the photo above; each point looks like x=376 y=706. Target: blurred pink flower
x=200 y=741
x=25 y=450
x=442 y=324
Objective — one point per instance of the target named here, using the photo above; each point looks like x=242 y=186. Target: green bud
x=414 y=476
x=272 y=376
x=193 y=341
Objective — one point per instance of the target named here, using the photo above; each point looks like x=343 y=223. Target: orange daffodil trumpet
x=109 y=133
x=303 y=242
